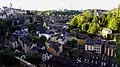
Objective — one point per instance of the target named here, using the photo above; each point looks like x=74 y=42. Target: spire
x=10 y=4
x=45 y=25
x=119 y=6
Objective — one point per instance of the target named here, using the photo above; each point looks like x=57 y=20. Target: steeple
x=10 y=3
x=118 y=5
x=45 y=25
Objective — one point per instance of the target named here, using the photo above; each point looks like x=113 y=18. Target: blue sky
x=56 y=4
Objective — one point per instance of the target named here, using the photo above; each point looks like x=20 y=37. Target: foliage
x=113 y=24
x=95 y=18
x=32 y=27
x=94 y=24
x=3 y=27
x=118 y=48
x=33 y=58
x=74 y=22
x=6 y=56
x=93 y=28
x=71 y=43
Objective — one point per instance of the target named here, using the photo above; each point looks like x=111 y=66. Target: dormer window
x=85 y=60
x=92 y=61
x=102 y=58
x=95 y=62
x=116 y=65
x=104 y=64
x=88 y=60
x=101 y=63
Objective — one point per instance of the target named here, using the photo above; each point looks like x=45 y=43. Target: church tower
x=10 y=3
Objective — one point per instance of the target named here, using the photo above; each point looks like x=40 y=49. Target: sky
x=57 y=4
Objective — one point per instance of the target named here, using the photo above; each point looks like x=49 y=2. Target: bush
x=33 y=58
x=7 y=56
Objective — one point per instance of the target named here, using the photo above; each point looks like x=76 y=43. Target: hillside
x=92 y=21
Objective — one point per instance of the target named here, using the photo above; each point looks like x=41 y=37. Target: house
x=2 y=16
x=89 y=46
x=96 y=61
x=99 y=46
x=95 y=45
x=110 y=48
x=62 y=40
x=81 y=38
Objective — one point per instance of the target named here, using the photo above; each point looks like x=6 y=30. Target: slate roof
x=82 y=36
x=42 y=30
x=90 y=41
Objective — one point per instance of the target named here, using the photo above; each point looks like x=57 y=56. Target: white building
x=106 y=31
x=95 y=45
x=110 y=48
x=3 y=16
x=89 y=47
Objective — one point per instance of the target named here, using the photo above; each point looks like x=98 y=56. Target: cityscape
x=59 y=38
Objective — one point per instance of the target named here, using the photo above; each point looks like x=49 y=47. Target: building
x=89 y=46
x=99 y=46
x=96 y=61
x=81 y=38
x=95 y=45
x=110 y=48
x=106 y=31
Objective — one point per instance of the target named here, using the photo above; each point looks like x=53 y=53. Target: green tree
x=93 y=28
x=6 y=56
x=81 y=20
x=103 y=20
x=33 y=58
x=73 y=22
x=118 y=49
x=71 y=43
x=4 y=28
x=84 y=27
x=95 y=18
x=113 y=24
x=87 y=15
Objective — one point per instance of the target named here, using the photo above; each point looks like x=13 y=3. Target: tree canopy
x=91 y=22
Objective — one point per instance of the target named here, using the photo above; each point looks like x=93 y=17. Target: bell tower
x=10 y=3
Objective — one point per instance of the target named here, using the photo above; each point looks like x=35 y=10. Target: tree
x=85 y=27
x=93 y=28
x=71 y=43
x=33 y=58
x=3 y=28
x=87 y=15
x=81 y=20
x=109 y=19
x=73 y=22
x=95 y=19
x=103 y=20
x=113 y=23
x=118 y=49
x=6 y=56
